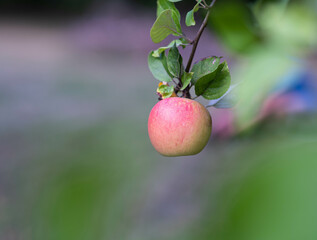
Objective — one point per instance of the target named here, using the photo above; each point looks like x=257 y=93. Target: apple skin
x=179 y=127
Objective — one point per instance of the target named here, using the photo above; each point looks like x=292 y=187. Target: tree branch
x=186 y=91
x=196 y=40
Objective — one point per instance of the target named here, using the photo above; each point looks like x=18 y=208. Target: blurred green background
x=75 y=94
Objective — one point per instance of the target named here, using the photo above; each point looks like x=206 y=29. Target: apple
x=179 y=127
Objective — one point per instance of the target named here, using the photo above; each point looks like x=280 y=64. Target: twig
x=186 y=91
x=205 y=3
x=202 y=5
x=212 y=3
x=196 y=40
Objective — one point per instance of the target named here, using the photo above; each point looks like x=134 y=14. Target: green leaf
x=164 y=62
x=186 y=79
x=174 y=62
x=219 y=85
x=165 y=91
x=203 y=83
x=175 y=0
x=163 y=5
x=228 y=100
x=178 y=43
x=190 y=21
x=204 y=67
x=184 y=41
x=158 y=67
x=164 y=26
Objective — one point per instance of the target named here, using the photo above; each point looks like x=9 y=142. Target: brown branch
x=195 y=42
x=186 y=92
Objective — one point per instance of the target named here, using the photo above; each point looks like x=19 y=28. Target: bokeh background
x=75 y=94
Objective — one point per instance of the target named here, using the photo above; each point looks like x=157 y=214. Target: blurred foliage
x=101 y=183
x=276 y=198
x=233 y=23
x=246 y=27
x=83 y=186
x=270 y=38
x=269 y=190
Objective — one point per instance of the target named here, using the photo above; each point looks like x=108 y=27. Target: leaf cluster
x=210 y=77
